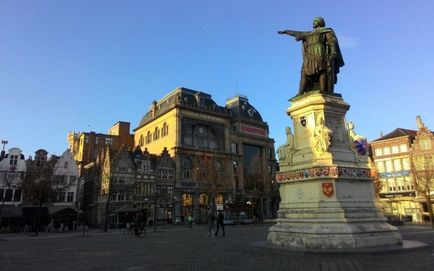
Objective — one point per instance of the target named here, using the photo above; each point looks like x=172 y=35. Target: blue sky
x=84 y=65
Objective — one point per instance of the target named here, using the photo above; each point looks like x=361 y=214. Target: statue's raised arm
x=297 y=34
x=321 y=57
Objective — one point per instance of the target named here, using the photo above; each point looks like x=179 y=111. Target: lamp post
x=155 y=208
x=4 y=182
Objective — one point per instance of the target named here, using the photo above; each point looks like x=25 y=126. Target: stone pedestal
x=326 y=189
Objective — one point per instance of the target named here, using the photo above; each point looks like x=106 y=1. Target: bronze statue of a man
x=321 y=57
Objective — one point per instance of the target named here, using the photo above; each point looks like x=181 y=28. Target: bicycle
x=140 y=230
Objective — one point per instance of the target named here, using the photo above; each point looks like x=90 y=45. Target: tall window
x=201 y=136
x=186 y=168
x=187 y=200
x=406 y=163
x=14 y=160
x=378 y=151
x=397 y=164
x=234 y=147
x=17 y=195
x=425 y=144
x=380 y=166
x=203 y=199
x=141 y=141
x=70 y=197
x=188 y=136
x=148 y=137
x=165 y=130
x=109 y=141
x=389 y=167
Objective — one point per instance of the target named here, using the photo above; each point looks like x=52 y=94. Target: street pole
x=155 y=210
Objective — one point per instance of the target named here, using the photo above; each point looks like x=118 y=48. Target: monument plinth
x=326 y=188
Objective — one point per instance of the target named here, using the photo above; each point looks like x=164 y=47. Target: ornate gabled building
x=52 y=184
x=65 y=181
x=86 y=146
x=124 y=185
x=220 y=152
x=422 y=165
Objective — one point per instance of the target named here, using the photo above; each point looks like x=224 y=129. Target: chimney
x=154 y=108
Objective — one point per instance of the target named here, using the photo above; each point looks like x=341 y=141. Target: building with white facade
x=12 y=172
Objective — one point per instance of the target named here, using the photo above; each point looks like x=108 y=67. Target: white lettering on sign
x=253 y=130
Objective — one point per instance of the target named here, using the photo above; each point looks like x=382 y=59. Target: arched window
x=203 y=199
x=148 y=137
x=156 y=133
x=141 y=141
x=219 y=199
x=201 y=136
x=165 y=130
x=187 y=200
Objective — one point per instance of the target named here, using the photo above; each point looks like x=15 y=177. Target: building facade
x=223 y=154
x=422 y=165
x=64 y=209
x=125 y=186
x=86 y=146
x=51 y=184
x=392 y=156
x=12 y=171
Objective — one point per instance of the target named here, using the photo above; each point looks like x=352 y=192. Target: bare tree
x=211 y=174
x=255 y=179
x=39 y=190
x=422 y=170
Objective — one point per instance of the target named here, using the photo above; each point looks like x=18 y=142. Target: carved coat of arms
x=328 y=189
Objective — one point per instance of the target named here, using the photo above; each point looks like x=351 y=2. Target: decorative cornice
x=324 y=172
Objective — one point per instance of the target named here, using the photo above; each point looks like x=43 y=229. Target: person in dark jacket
x=220 y=219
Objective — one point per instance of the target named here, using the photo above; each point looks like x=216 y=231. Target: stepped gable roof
x=241 y=108
x=398 y=132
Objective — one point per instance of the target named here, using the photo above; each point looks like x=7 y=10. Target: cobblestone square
x=181 y=248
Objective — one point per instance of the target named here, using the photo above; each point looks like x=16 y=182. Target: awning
x=11 y=211
x=128 y=209
x=61 y=210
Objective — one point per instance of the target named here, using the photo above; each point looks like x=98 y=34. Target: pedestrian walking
x=211 y=219
x=190 y=220
x=220 y=223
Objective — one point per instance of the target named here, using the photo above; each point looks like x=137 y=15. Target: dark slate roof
x=183 y=97
x=236 y=107
x=398 y=132
x=241 y=108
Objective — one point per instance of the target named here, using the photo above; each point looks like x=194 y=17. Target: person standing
x=220 y=223
x=190 y=220
x=211 y=219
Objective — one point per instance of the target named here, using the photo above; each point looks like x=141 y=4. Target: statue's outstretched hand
x=281 y=32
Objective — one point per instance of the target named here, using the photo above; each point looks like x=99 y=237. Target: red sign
x=253 y=130
x=327 y=189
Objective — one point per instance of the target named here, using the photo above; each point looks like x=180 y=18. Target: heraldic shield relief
x=327 y=189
